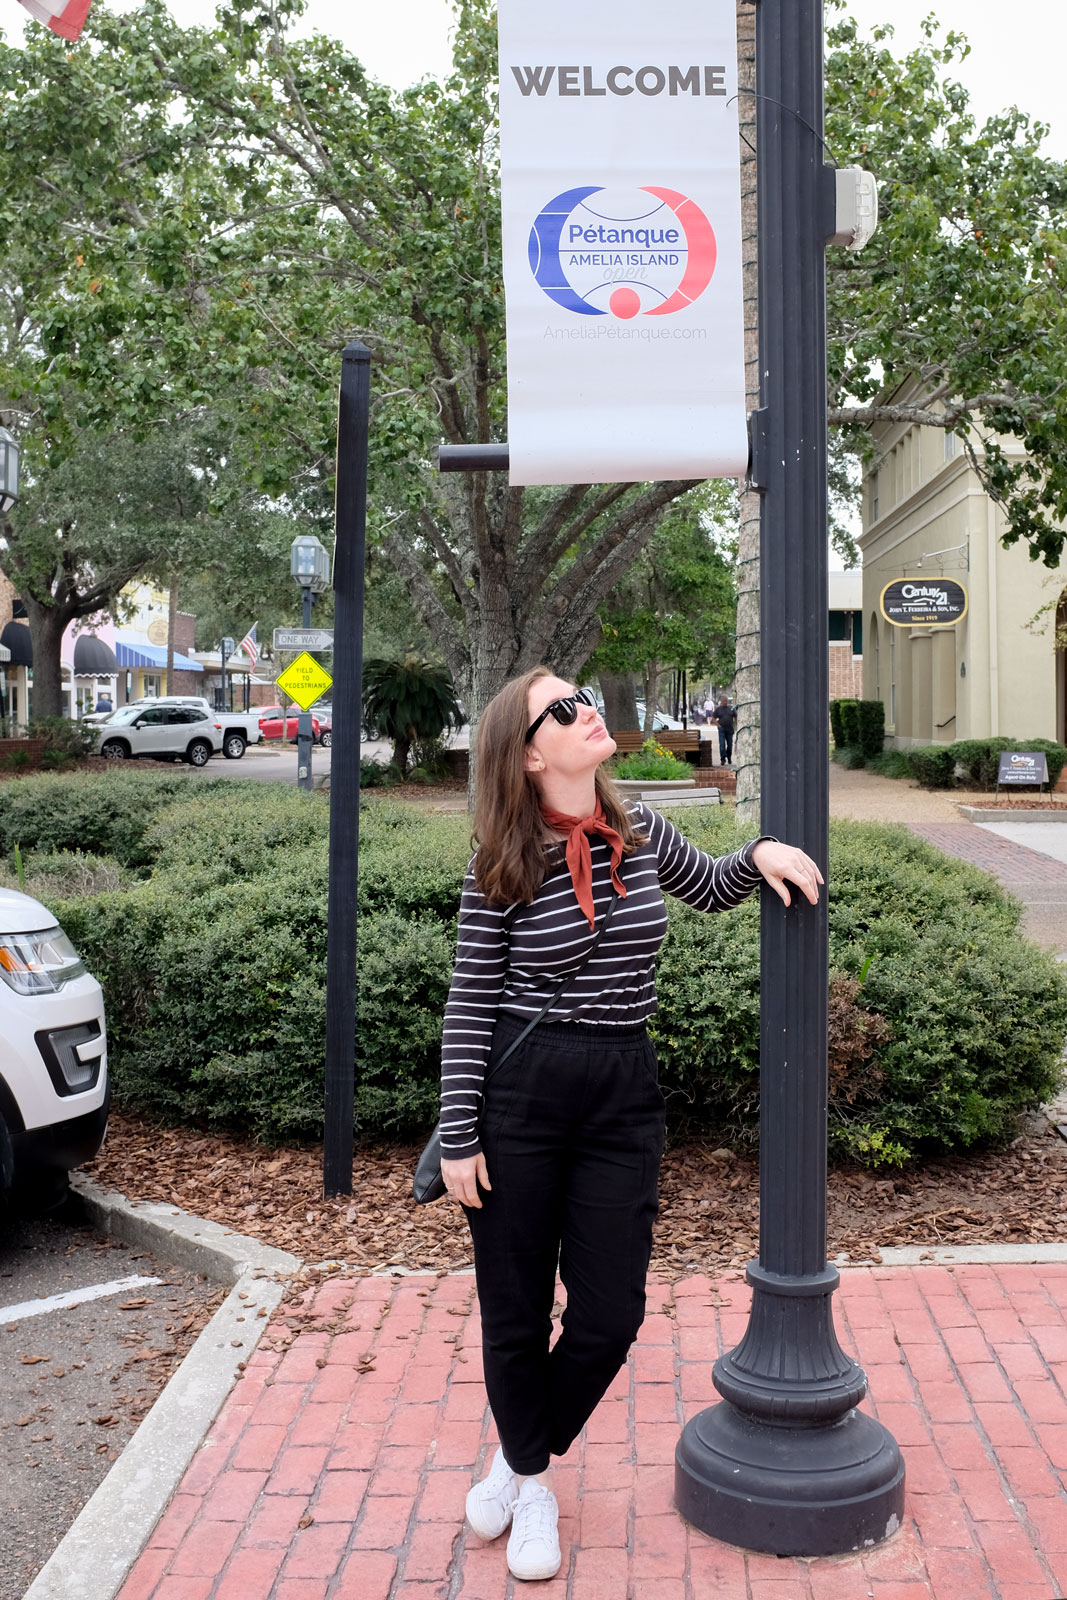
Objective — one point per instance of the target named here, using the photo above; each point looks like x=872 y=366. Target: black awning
x=17 y=638
x=93 y=658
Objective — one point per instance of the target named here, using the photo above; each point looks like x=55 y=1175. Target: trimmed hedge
x=859 y=725
x=945 y=1022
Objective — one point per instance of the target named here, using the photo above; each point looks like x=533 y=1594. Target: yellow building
x=996 y=670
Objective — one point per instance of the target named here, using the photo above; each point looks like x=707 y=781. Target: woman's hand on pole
x=463 y=1177
x=779 y=862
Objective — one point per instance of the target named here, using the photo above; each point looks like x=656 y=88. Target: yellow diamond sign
x=304 y=680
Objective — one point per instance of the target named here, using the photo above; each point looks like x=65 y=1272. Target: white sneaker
x=533 y=1548
x=491 y=1502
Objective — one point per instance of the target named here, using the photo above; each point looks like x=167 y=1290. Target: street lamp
x=309 y=566
x=9 y=471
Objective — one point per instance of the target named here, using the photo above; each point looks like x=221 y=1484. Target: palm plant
x=408 y=699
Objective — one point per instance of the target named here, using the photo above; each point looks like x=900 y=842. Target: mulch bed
x=709 y=1204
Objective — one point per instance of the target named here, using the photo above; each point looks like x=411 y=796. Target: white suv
x=239 y=728
x=54 y=1090
x=183 y=732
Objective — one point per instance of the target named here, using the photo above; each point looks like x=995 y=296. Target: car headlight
x=38 y=963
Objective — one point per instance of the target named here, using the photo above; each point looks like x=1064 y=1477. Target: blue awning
x=151 y=655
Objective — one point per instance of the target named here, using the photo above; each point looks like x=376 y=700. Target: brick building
x=846 y=635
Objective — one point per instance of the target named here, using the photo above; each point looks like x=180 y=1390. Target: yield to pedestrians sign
x=304 y=681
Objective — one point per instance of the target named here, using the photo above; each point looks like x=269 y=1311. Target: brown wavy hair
x=509 y=864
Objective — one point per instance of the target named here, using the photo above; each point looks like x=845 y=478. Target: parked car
x=184 y=733
x=660 y=719
x=278 y=724
x=54 y=1091
x=239 y=728
x=323 y=715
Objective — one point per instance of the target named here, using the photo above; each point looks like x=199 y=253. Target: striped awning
x=151 y=655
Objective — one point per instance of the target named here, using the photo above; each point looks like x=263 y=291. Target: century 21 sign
x=923 y=603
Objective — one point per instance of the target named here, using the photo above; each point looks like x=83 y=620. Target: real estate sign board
x=924 y=602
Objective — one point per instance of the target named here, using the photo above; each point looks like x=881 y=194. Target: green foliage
x=63 y=874
x=849 y=756
x=848 y=713
x=932 y=765
x=378 y=774
x=62 y=737
x=965 y=281
x=870 y=726
x=409 y=699
x=891 y=764
x=651 y=761
x=837 y=732
x=103 y=813
x=945 y=1022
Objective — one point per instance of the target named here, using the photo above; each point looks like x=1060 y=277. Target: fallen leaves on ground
x=709 y=1200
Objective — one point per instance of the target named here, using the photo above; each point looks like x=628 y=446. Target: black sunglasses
x=565 y=710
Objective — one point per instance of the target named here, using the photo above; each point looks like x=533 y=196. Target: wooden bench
x=683 y=742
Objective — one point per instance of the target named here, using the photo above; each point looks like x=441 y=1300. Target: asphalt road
x=77 y=1378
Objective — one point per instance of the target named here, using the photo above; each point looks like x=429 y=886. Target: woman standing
x=561 y=1168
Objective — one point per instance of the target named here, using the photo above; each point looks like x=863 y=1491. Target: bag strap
x=569 y=979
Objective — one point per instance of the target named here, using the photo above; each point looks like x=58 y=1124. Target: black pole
x=349 y=559
x=304 y=736
x=786 y=1463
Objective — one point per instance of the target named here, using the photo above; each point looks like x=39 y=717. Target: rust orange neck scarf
x=580 y=856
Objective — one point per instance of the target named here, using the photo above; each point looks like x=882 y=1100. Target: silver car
x=183 y=733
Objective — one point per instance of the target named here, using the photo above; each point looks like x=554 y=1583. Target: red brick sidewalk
x=1014 y=864
x=338 y=1468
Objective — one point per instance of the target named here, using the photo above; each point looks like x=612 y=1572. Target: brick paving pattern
x=337 y=1469
x=1013 y=864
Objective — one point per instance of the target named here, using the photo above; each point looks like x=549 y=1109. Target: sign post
x=353 y=420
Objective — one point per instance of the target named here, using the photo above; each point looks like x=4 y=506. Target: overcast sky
x=1016 y=53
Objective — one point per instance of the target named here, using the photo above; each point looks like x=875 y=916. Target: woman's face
x=568 y=750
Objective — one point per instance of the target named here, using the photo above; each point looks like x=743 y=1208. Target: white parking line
x=73 y=1297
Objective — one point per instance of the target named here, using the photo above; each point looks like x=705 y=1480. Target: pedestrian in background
x=554 y=1153
x=724 y=719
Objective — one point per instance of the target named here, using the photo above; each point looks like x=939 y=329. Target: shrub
x=837 y=733
x=651 y=762
x=104 y=813
x=932 y=765
x=870 y=718
x=945 y=1021
x=61 y=874
x=407 y=700
x=849 y=756
x=849 y=712
x=378 y=774
x=891 y=764
x=428 y=757
x=62 y=737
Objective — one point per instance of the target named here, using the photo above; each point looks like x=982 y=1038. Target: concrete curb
x=96 y=1555
x=1003 y=814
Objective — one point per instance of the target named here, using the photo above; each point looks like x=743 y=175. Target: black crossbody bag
x=428 y=1184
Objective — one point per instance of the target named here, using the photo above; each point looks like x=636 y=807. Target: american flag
x=65 y=17
x=250 y=647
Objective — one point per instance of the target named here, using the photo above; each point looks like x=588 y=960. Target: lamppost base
x=789 y=1490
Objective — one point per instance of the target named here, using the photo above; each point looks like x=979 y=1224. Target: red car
x=278 y=724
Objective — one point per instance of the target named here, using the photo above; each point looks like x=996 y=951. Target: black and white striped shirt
x=550 y=936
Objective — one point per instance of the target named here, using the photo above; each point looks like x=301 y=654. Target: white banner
x=620 y=187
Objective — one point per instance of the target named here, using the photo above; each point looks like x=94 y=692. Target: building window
x=952 y=445
x=892 y=676
x=151 y=683
x=857 y=633
x=839 y=631
x=874 y=497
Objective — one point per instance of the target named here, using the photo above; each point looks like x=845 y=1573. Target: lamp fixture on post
x=309 y=565
x=9 y=470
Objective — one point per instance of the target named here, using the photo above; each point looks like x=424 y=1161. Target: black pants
x=726 y=744
x=572 y=1132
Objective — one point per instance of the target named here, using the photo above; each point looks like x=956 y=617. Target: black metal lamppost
x=786 y=1463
